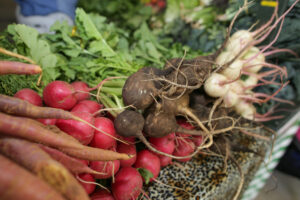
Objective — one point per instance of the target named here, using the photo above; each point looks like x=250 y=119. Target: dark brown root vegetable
x=33 y=158
x=159 y=124
x=140 y=89
x=180 y=106
x=130 y=123
x=18 y=183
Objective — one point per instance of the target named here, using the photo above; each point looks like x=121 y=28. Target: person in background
x=41 y=14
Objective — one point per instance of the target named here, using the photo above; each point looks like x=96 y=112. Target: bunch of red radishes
x=125 y=181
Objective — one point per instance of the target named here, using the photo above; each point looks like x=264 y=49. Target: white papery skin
x=213 y=85
x=230 y=99
x=255 y=64
x=233 y=71
x=250 y=81
x=238 y=41
x=224 y=58
x=245 y=109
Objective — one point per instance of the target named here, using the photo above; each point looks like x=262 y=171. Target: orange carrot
x=12 y=67
x=16 y=106
x=35 y=131
x=33 y=158
x=32 y=130
x=73 y=164
x=18 y=183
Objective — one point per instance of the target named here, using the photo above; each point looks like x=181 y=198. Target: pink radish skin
x=87 y=106
x=79 y=130
x=165 y=161
x=102 y=140
x=128 y=184
x=89 y=187
x=130 y=140
x=148 y=160
x=128 y=149
x=59 y=94
x=110 y=168
x=184 y=148
x=48 y=121
x=81 y=90
x=102 y=195
x=29 y=95
x=197 y=140
x=165 y=144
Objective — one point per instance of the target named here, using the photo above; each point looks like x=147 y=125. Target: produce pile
x=115 y=122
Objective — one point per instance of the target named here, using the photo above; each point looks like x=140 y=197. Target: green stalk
x=115 y=83
x=108 y=103
x=112 y=91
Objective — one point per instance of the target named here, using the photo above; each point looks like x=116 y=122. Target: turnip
x=109 y=168
x=224 y=58
x=101 y=140
x=215 y=85
x=148 y=160
x=239 y=40
x=128 y=184
x=29 y=95
x=254 y=60
x=233 y=71
x=79 y=130
x=59 y=94
x=245 y=109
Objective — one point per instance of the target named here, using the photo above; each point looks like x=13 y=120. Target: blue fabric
x=45 y=7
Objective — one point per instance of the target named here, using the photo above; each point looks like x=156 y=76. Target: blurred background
x=285 y=180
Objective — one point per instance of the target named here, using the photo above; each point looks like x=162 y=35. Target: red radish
x=87 y=106
x=81 y=89
x=79 y=130
x=184 y=148
x=89 y=187
x=86 y=162
x=148 y=160
x=197 y=140
x=59 y=94
x=29 y=95
x=48 y=121
x=128 y=149
x=130 y=140
x=102 y=140
x=128 y=184
x=110 y=168
x=165 y=144
x=102 y=195
x=165 y=161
